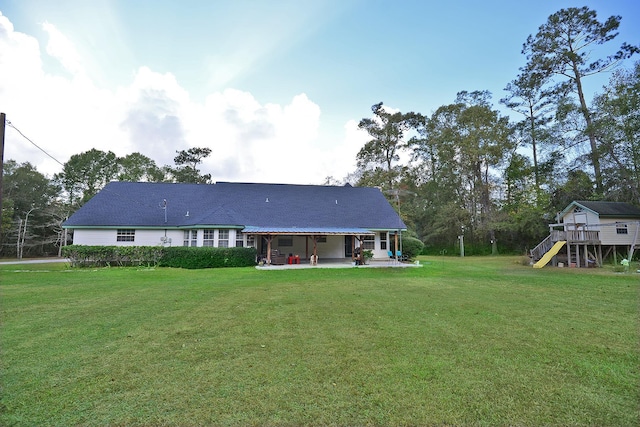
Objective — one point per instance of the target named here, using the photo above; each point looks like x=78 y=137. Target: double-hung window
x=207 y=239
x=190 y=238
x=223 y=238
x=621 y=228
x=239 y=239
x=368 y=242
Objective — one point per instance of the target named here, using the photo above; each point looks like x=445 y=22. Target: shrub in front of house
x=411 y=247
x=178 y=257
x=207 y=257
x=112 y=256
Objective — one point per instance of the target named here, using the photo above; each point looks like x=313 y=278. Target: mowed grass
x=479 y=341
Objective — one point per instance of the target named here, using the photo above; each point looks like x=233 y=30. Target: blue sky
x=275 y=88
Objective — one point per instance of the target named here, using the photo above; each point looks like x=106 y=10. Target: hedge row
x=117 y=256
x=178 y=257
x=206 y=257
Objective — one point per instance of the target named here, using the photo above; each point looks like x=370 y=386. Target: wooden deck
x=577 y=252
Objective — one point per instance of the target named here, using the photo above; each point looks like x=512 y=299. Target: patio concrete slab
x=338 y=263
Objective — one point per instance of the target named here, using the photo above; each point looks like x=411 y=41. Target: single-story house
x=277 y=219
x=586 y=229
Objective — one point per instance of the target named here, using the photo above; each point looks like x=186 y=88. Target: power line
x=34 y=144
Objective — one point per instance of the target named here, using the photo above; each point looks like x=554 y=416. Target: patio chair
x=277 y=259
x=391 y=258
x=399 y=255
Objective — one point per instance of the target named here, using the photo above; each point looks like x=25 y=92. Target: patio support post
x=360 y=257
x=353 y=247
x=269 y=238
x=396 y=251
x=315 y=246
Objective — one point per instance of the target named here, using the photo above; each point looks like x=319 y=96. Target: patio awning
x=308 y=231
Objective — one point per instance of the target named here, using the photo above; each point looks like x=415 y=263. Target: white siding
x=606 y=226
x=107 y=237
x=609 y=236
x=92 y=237
x=573 y=217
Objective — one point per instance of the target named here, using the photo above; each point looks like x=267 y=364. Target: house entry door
x=348 y=244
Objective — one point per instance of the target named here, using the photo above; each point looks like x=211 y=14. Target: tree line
x=465 y=169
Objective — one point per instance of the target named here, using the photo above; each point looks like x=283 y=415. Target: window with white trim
x=208 y=237
x=368 y=242
x=223 y=238
x=239 y=239
x=125 y=235
x=190 y=238
x=251 y=240
x=622 y=229
x=383 y=240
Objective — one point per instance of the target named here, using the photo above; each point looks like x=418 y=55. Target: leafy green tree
x=485 y=136
x=187 y=162
x=26 y=187
x=461 y=146
x=378 y=157
x=525 y=95
x=521 y=219
x=28 y=197
x=617 y=124
x=517 y=182
x=138 y=167
x=87 y=173
x=579 y=186
x=561 y=49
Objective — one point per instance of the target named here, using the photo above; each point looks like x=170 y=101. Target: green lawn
x=484 y=341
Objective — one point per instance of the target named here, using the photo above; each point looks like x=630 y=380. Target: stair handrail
x=542 y=247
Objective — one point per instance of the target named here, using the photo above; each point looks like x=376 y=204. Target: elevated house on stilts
x=587 y=232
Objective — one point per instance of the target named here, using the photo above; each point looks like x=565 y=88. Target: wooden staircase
x=543 y=247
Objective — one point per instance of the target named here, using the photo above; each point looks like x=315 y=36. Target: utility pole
x=3 y=119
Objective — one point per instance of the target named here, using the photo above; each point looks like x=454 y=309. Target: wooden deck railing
x=572 y=236
x=543 y=247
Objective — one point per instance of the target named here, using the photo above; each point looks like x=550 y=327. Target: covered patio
x=340 y=246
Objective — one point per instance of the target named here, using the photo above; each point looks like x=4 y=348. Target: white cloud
x=61 y=48
x=68 y=114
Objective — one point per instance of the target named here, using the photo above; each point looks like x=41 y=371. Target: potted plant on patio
x=367 y=254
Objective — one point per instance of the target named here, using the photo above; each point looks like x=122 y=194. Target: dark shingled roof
x=610 y=209
x=140 y=204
